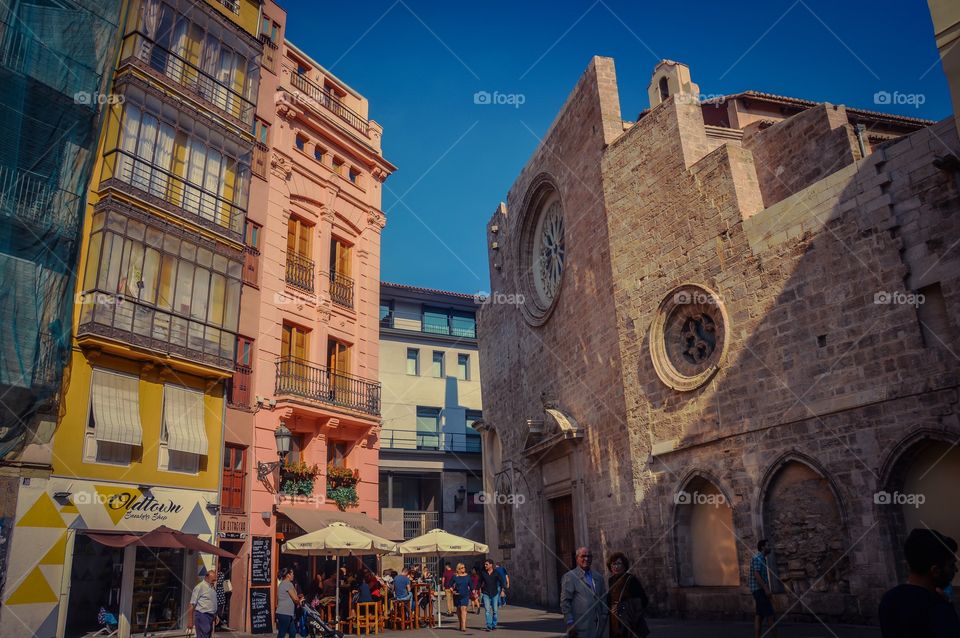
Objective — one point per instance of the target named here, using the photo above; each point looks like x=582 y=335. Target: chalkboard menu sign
x=260 y=561
x=260 y=616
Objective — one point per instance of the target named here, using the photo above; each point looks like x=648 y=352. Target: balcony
x=131 y=322
x=399 y=439
x=300 y=272
x=259 y=164
x=44 y=58
x=238 y=387
x=329 y=101
x=186 y=199
x=341 y=290
x=191 y=77
x=300 y=378
x=33 y=200
x=465 y=332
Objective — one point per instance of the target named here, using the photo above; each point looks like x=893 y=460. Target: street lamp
x=283 y=437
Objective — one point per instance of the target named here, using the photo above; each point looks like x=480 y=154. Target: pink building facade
x=308 y=352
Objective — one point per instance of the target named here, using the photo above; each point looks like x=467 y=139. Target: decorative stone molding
x=324 y=306
x=281 y=166
x=376 y=219
x=688 y=337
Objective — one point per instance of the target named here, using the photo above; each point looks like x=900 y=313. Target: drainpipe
x=858 y=129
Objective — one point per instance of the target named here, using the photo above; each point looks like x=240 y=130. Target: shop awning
x=310 y=520
x=163 y=536
x=183 y=417
x=116 y=408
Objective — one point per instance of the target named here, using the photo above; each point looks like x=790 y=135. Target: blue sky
x=420 y=62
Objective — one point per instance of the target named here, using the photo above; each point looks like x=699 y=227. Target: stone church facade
x=718 y=323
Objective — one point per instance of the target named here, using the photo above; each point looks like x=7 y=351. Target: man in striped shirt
x=759 y=584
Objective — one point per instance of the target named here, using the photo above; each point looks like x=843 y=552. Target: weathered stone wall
x=574 y=357
x=818 y=369
x=799 y=151
x=815 y=367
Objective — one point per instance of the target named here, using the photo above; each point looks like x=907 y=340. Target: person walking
x=626 y=600
x=491 y=583
x=475 y=590
x=506 y=579
x=919 y=607
x=583 y=596
x=461 y=588
x=447 y=583
x=759 y=583
x=287 y=602
x=203 y=606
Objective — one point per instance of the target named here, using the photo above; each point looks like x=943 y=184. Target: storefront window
x=157 y=589
x=94 y=584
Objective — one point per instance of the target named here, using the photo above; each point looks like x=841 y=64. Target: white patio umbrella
x=339 y=539
x=437 y=542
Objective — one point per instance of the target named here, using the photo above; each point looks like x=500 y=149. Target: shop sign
x=232 y=527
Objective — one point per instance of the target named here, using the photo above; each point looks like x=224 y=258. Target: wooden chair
x=400 y=615
x=365 y=616
x=384 y=607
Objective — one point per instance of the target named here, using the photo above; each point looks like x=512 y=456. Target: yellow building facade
x=139 y=439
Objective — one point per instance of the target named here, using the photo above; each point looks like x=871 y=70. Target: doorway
x=564 y=542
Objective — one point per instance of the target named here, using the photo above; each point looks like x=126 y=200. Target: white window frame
x=434 y=367
x=416 y=360
x=466 y=366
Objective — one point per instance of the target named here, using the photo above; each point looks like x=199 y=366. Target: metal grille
x=341 y=290
x=300 y=272
x=301 y=378
x=329 y=101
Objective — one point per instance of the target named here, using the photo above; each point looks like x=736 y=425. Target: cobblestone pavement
x=526 y=622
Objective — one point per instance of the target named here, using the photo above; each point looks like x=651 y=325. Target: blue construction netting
x=56 y=62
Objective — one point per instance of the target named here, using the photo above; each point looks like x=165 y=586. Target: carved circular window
x=542 y=251
x=688 y=337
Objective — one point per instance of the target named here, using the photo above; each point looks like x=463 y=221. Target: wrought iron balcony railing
x=397 y=439
x=28 y=197
x=300 y=378
x=190 y=200
x=191 y=77
x=107 y=314
x=300 y=272
x=329 y=101
x=341 y=290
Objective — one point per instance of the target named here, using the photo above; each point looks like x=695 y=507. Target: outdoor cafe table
x=422 y=616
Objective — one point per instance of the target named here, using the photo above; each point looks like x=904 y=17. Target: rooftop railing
x=329 y=101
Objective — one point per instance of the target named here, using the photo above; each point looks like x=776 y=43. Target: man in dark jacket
x=918 y=608
x=491 y=584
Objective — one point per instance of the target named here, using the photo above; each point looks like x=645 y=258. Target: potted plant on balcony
x=342 y=486
x=296 y=478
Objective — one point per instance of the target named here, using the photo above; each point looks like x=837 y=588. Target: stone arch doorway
x=920 y=491
x=705 y=542
x=804 y=524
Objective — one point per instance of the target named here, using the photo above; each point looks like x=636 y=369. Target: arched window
x=706 y=544
x=803 y=524
x=664 y=89
x=921 y=491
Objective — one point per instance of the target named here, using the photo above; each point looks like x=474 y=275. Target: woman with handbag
x=626 y=600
